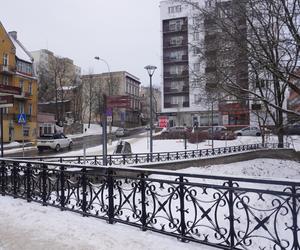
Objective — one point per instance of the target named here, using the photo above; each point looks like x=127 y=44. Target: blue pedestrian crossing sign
x=22 y=118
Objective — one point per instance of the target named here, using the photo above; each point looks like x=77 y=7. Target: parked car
x=250 y=131
x=122 y=132
x=220 y=133
x=292 y=129
x=54 y=141
x=177 y=129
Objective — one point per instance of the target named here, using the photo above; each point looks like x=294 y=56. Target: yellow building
x=16 y=73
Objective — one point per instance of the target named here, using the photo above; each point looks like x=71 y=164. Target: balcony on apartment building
x=174 y=28
x=183 y=74
x=178 y=59
x=168 y=44
x=7 y=69
x=171 y=91
x=177 y=105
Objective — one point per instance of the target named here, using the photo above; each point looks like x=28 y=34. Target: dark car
x=220 y=133
x=292 y=129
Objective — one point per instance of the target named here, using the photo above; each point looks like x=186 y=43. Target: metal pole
x=104 y=132
x=23 y=137
x=84 y=146
x=151 y=121
x=212 y=124
x=1 y=114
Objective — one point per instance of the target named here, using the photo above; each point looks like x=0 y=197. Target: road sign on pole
x=22 y=118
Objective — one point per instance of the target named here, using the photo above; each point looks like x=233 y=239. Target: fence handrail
x=164 y=153
x=150 y=171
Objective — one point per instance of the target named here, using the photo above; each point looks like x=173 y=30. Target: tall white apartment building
x=189 y=86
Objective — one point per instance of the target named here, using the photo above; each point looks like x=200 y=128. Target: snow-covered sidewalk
x=30 y=226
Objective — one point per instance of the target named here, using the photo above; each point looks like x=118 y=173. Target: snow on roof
x=21 y=52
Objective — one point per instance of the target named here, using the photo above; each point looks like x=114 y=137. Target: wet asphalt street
x=90 y=140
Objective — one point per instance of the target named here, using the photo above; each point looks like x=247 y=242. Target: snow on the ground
x=261 y=168
x=30 y=226
x=140 y=144
x=12 y=144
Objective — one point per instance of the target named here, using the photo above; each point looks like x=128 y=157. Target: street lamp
x=150 y=69
x=109 y=92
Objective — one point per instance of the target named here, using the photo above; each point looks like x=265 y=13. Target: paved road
x=91 y=141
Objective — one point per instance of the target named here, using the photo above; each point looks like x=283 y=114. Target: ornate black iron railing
x=140 y=158
x=220 y=211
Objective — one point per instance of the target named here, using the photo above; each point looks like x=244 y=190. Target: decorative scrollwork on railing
x=235 y=213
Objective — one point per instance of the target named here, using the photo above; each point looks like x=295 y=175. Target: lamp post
x=109 y=93
x=150 y=69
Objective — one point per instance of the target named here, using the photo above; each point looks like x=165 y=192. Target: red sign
x=10 y=90
x=6 y=101
x=118 y=101
x=163 y=122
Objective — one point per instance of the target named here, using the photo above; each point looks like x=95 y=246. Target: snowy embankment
x=30 y=226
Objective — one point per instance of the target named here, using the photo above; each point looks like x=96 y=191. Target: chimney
x=13 y=34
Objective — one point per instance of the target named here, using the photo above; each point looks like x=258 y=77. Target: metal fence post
x=295 y=217
x=143 y=201
x=44 y=184
x=28 y=181
x=3 y=178
x=62 y=188
x=84 y=187
x=182 y=209
x=110 y=184
x=231 y=214
x=14 y=179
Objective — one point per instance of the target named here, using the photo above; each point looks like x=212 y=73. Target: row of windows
x=21 y=109
x=21 y=85
x=131 y=89
x=25 y=68
x=174 y=9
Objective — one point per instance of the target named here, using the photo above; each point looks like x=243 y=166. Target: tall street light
x=150 y=69
x=109 y=92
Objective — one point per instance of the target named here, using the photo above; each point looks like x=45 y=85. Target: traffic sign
x=118 y=101
x=109 y=118
x=109 y=112
x=22 y=118
x=6 y=101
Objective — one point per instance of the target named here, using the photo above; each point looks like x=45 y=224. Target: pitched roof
x=21 y=52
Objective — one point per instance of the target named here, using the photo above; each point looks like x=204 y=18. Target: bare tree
x=265 y=35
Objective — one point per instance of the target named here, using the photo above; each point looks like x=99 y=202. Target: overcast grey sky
x=126 y=33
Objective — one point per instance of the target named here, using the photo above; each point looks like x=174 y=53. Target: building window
x=30 y=88
x=196 y=67
x=196 y=36
x=5 y=80
x=30 y=109
x=21 y=108
x=21 y=85
x=26 y=131
x=5 y=59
